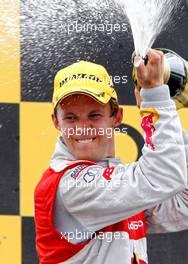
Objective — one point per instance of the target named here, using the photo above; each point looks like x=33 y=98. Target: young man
x=89 y=207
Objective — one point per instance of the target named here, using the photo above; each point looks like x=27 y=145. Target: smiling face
x=87 y=127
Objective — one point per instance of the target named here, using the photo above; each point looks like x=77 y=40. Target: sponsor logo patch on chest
x=77 y=170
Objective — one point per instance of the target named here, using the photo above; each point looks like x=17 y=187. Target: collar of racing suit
x=62 y=157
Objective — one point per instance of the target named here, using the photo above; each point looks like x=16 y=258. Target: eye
x=95 y=116
x=70 y=117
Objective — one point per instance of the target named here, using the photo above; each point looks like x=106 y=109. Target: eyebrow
x=91 y=112
x=96 y=111
x=69 y=113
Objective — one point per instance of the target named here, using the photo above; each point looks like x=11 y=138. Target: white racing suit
x=91 y=197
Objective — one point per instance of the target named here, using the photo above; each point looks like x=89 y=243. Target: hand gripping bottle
x=175 y=75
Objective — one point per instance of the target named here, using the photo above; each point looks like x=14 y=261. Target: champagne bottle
x=175 y=72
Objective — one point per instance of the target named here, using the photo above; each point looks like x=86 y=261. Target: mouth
x=85 y=140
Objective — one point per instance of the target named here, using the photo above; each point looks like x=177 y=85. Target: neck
x=111 y=149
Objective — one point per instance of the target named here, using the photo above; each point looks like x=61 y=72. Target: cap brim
x=100 y=97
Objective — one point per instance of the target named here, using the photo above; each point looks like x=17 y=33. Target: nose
x=84 y=122
x=85 y=127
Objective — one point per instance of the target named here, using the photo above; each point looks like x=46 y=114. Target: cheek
x=68 y=133
x=67 y=128
x=105 y=123
x=109 y=124
x=106 y=130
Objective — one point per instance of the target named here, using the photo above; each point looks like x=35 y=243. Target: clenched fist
x=151 y=74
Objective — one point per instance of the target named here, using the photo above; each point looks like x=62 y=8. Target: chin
x=89 y=157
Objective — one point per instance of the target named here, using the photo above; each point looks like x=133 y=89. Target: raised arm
x=171 y=215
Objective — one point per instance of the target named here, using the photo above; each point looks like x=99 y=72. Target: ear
x=118 y=117
x=55 y=122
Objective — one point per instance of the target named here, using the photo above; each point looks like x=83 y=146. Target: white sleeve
x=171 y=215
x=98 y=197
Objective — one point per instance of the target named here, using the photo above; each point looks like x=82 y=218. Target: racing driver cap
x=83 y=77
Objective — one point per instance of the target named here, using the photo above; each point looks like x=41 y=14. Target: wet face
x=87 y=127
